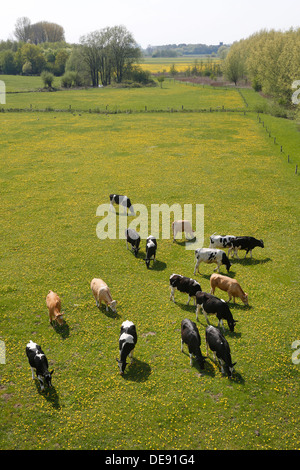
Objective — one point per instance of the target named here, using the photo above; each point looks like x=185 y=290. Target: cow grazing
x=190 y=336
x=244 y=243
x=127 y=342
x=210 y=255
x=184 y=284
x=39 y=363
x=231 y=286
x=53 y=303
x=180 y=226
x=151 y=247
x=134 y=239
x=101 y=293
x=220 y=348
x=213 y=305
x=219 y=241
x=123 y=201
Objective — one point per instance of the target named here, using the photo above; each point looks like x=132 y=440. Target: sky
x=157 y=22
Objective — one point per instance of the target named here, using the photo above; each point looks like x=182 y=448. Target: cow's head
x=47 y=378
x=228 y=369
x=122 y=365
x=201 y=361
x=113 y=306
x=245 y=299
x=59 y=318
x=231 y=324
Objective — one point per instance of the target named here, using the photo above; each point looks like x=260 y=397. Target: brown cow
x=54 y=305
x=231 y=286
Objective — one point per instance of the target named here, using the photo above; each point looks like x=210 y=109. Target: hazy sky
x=157 y=22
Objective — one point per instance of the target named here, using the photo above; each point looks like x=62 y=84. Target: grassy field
x=172 y=96
x=56 y=169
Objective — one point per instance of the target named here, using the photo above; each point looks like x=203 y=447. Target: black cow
x=244 y=243
x=220 y=347
x=190 y=336
x=184 y=284
x=123 y=201
x=127 y=342
x=39 y=363
x=134 y=239
x=151 y=247
x=213 y=305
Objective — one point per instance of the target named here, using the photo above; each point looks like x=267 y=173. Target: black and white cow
x=210 y=255
x=184 y=284
x=244 y=243
x=127 y=342
x=220 y=348
x=220 y=241
x=151 y=247
x=123 y=201
x=190 y=336
x=213 y=305
x=134 y=239
x=39 y=363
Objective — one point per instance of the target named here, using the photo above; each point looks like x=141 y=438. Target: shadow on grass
x=208 y=367
x=50 y=394
x=63 y=330
x=249 y=261
x=187 y=240
x=157 y=265
x=138 y=371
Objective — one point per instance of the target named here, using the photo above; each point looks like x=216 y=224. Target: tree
x=43 y=31
x=32 y=54
x=160 y=80
x=124 y=50
x=91 y=55
x=109 y=51
x=47 y=78
x=234 y=65
x=8 y=63
x=22 y=29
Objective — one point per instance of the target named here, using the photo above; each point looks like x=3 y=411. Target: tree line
x=270 y=60
x=103 y=56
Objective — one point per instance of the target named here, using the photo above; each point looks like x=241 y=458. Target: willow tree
x=234 y=64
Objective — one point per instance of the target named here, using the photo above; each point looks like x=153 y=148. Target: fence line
x=276 y=142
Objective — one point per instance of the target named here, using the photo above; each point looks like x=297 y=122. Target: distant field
x=163 y=64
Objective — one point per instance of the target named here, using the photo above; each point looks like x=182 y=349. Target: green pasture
x=56 y=169
x=172 y=96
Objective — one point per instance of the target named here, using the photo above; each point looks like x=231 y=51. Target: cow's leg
x=206 y=317
x=172 y=297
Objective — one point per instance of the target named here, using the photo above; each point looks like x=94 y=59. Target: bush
x=256 y=85
x=70 y=79
x=47 y=78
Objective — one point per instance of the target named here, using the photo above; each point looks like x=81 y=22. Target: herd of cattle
x=210 y=304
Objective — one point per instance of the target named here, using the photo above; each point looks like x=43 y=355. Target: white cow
x=101 y=293
x=180 y=226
